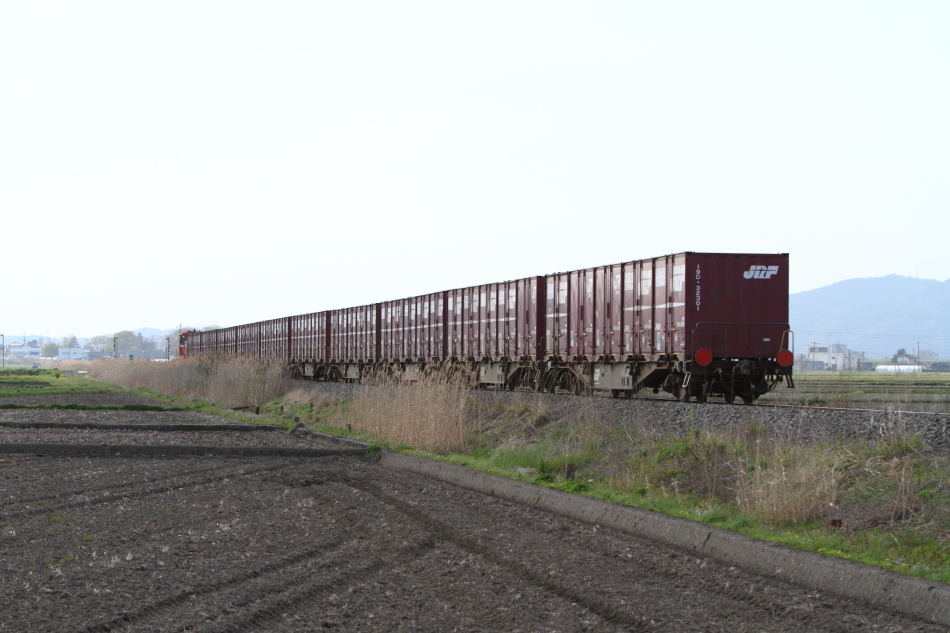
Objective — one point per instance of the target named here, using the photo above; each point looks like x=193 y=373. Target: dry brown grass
x=230 y=381
x=786 y=484
x=429 y=413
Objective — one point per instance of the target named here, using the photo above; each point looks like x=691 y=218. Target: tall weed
x=230 y=381
x=428 y=413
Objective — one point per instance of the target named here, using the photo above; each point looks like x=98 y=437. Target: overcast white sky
x=227 y=162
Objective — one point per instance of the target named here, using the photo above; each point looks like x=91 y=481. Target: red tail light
x=703 y=357
x=785 y=358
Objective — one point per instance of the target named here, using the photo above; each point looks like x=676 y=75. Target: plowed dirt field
x=342 y=543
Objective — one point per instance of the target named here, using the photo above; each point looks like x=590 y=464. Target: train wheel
x=615 y=393
x=748 y=399
x=729 y=397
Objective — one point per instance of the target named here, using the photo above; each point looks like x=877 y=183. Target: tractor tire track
x=107 y=487
x=126 y=619
x=138 y=494
x=603 y=609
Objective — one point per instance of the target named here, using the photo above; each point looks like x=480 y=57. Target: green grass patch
x=22 y=371
x=52 y=383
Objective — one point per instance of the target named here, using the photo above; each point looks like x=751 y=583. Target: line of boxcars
x=692 y=324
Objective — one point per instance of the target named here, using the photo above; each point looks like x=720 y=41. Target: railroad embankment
x=808 y=424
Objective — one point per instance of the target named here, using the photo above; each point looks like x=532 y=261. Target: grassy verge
x=48 y=382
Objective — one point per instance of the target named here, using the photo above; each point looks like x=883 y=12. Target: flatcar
x=693 y=325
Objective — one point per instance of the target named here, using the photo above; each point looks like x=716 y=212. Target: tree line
x=126 y=343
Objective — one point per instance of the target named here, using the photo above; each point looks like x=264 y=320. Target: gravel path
x=342 y=543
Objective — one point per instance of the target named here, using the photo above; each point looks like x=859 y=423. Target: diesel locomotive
x=694 y=325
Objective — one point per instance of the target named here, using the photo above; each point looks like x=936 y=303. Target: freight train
x=694 y=325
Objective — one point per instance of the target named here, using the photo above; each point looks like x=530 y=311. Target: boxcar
x=693 y=325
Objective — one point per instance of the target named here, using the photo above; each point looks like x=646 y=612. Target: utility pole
x=115 y=348
x=4 y=354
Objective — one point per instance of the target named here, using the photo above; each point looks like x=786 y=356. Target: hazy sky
x=227 y=162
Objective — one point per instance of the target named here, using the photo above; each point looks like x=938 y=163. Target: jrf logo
x=760 y=272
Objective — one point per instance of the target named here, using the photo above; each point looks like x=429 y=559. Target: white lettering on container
x=698 y=288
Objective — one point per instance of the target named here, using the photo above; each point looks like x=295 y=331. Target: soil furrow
x=139 y=494
x=154 y=608
x=604 y=609
x=103 y=488
x=307 y=594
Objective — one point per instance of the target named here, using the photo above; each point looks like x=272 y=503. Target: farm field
x=342 y=543
x=47 y=382
x=768 y=472
x=924 y=391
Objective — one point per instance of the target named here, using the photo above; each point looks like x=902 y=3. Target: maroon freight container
x=400 y=329
x=464 y=326
x=397 y=335
x=274 y=338
x=323 y=336
x=335 y=335
x=508 y=325
x=389 y=314
x=357 y=334
x=557 y=321
x=720 y=306
x=308 y=336
x=455 y=327
x=352 y=334
x=515 y=316
x=737 y=305
x=430 y=326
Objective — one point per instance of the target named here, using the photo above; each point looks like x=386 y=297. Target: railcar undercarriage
x=729 y=379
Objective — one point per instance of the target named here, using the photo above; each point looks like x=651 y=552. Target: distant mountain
x=876 y=315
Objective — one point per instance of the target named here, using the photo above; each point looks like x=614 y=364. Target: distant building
x=900 y=368
x=73 y=353
x=25 y=352
x=833 y=357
